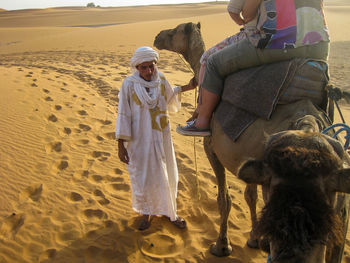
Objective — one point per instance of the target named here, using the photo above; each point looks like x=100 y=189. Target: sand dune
x=64 y=195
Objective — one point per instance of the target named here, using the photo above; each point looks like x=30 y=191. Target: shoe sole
x=192 y=133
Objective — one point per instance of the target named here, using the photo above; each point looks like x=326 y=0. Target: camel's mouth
x=158 y=44
x=160 y=41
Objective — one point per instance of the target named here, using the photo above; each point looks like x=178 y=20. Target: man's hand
x=191 y=85
x=122 y=152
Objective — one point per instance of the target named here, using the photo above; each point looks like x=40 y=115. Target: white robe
x=152 y=166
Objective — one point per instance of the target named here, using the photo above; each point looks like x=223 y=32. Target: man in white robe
x=144 y=139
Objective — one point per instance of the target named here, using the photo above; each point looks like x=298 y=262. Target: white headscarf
x=145 y=54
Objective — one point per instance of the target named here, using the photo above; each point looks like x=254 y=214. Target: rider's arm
x=236 y=18
x=250 y=10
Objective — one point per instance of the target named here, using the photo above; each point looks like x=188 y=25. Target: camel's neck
x=193 y=55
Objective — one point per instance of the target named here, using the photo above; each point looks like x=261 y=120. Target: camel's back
x=250 y=144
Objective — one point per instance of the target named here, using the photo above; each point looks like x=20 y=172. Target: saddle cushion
x=254 y=92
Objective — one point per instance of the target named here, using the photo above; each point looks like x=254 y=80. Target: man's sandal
x=179 y=222
x=145 y=222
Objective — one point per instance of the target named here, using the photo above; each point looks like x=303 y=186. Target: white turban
x=143 y=54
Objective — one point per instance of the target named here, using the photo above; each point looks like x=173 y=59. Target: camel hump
x=254 y=92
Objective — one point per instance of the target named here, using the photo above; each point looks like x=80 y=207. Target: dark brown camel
x=301 y=172
x=221 y=150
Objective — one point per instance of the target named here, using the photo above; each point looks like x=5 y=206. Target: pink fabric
x=285 y=7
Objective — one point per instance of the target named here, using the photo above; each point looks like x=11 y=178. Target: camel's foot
x=253 y=243
x=264 y=245
x=220 y=251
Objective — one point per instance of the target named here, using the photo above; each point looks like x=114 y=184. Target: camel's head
x=179 y=39
x=300 y=173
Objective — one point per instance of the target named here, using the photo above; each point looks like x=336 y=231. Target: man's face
x=146 y=70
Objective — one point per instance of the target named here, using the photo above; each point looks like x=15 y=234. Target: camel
x=221 y=150
x=302 y=171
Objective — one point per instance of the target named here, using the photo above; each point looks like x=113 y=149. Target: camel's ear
x=346 y=96
x=342 y=181
x=199 y=25
x=251 y=172
x=337 y=146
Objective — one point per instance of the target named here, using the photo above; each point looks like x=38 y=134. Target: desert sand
x=64 y=194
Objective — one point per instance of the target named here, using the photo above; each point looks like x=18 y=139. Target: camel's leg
x=251 y=196
x=222 y=246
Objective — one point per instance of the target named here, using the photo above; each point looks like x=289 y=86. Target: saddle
x=254 y=92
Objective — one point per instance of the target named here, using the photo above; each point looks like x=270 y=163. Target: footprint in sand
x=187 y=105
x=237 y=207
x=95 y=178
x=185 y=157
x=82 y=113
x=83 y=142
x=118 y=171
x=52 y=118
x=120 y=187
x=54 y=146
x=95 y=214
x=182 y=155
x=62 y=165
x=33 y=192
x=110 y=135
x=84 y=127
x=67 y=130
x=100 y=138
x=102 y=198
x=58 y=107
x=69 y=105
x=105 y=122
x=101 y=156
x=11 y=224
x=46 y=91
x=75 y=197
x=48 y=98
x=161 y=246
x=114 y=179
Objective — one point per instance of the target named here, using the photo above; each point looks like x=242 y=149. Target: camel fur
x=301 y=172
